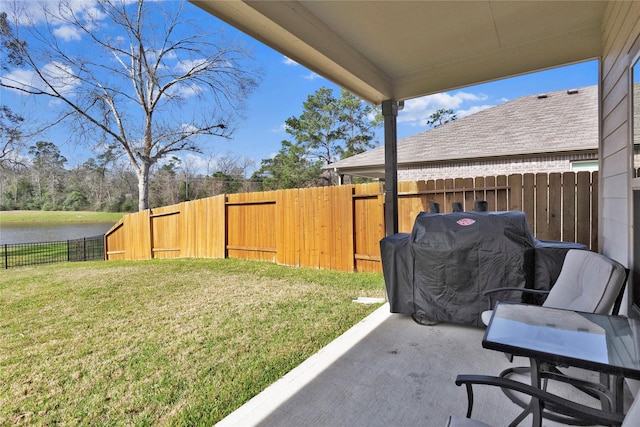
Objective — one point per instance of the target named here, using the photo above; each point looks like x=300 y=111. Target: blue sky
x=286 y=85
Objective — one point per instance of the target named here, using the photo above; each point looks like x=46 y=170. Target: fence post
x=6 y=256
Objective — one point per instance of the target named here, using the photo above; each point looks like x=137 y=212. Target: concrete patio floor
x=385 y=371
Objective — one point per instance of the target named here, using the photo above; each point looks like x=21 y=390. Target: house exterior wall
x=621 y=28
x=471 y=169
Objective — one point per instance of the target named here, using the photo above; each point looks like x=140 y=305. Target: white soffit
x=404 y=49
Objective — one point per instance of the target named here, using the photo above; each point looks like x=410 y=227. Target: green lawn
x=58 y=216
x=162 y=342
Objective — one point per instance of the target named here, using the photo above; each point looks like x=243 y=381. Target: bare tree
x=130 y=74
x=10 y=122
x=10 y=135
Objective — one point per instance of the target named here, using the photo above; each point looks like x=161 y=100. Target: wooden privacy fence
x=340 y=228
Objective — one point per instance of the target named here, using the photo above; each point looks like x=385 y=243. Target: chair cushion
x=632 y=418
x=486 y=316
x=588 y=282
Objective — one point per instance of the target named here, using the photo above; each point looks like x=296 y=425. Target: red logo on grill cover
x=466 y=221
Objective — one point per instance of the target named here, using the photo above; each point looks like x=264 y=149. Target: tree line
x=42 y=181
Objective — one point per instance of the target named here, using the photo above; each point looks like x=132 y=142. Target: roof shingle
x=560 y=122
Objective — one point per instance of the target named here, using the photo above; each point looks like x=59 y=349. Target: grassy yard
x=58 y=216
x=162 y=342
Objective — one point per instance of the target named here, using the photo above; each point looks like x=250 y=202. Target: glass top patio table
x=608 y=344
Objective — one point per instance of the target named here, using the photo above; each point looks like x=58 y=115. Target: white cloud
x=67 y=33
x=191 y=162
x=416 y=111
x=185 y=90
x=19 y=78
x=30 y=13
x=170 y=55
x=59 y=75
x=92 y=13
x=197 y=164
x=24 y=13
x=189 y=65
x=280 y=129
x=187 y=127
x=289 y=61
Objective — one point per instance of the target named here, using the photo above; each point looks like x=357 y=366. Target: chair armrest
x=510 y=289
x=560 y=405
x=523 y=290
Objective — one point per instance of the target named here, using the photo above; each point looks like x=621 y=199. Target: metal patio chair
x=588 y=282
x=580 y=413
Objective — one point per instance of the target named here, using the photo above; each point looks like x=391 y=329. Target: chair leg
x=469 y=400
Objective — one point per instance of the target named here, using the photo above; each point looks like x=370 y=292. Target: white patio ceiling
x=399 y=50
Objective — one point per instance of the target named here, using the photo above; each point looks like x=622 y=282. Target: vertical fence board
x=501 y=194
x=569 y=206
x=325 y=229
x=281 y=225
x=217 y=227
x=437 y=197
x=529 y=200
x=555 y=207
x=335 y=250
x=514 y=194
x=480 y=193
x=424 y=199
x=490 y=195
x=583 y=211
x=468 y=197
x=542 y=211
x=307 y=218
x=360 y=228
x=458 y=193
x=594 y=211
x=346 y=220
x=291 y=228
x=297 y=234
x=449 y=194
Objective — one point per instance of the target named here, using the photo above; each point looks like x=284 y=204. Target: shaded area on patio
x=387 y=370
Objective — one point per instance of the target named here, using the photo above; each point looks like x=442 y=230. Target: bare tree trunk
x=143 y=186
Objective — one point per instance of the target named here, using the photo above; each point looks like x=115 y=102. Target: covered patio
x=389 y=51
x=386 y=371
x=389 y=370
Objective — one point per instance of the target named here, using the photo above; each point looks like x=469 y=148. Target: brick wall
x=547 y=164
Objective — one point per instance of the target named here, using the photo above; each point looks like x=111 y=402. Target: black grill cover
x=397 y=267
x=440 y=271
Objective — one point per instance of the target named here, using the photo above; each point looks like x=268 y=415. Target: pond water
x=45 y=232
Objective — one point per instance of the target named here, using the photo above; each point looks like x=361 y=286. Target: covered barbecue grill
x=440 y=271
